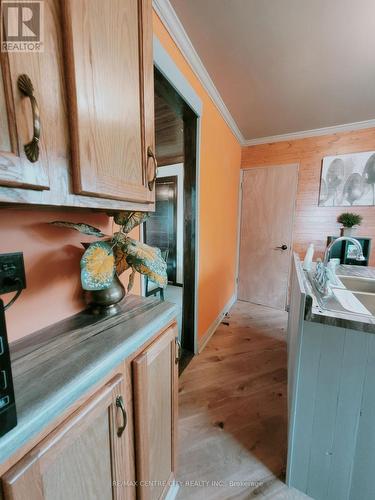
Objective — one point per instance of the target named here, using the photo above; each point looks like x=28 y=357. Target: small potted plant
x=106 y=259
x=348 y=221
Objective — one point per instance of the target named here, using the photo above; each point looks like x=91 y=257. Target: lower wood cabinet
x=120 y=443
x=84 y=458
x=155 y=378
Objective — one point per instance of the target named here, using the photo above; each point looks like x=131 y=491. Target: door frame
x=169 y=70
x=239 y=221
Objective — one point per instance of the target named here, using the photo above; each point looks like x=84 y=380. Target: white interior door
x=267 y=214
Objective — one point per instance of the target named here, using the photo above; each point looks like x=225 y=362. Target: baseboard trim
x=172 y=492
x=212 y=328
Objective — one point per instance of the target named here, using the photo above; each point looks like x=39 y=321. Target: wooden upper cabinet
x=85 y=457
x=17 y=123
x=155 y=379
x=109 y=65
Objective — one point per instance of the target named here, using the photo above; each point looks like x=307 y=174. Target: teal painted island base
x=331 y=449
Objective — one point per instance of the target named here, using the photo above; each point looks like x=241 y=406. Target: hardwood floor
x=233 y=411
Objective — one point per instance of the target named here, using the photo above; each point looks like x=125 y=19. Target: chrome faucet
x=322 y=273
x=355 y=242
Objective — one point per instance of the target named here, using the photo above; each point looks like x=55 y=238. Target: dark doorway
x=161 y=227
x=176 y=143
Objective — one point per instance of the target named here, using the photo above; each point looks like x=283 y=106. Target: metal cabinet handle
x=120 y=404
x=151 y=154
x=282 y=247
x=178 y=350
x=27 y=89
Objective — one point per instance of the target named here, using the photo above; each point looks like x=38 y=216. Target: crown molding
x=347 y=127
x=169 y=18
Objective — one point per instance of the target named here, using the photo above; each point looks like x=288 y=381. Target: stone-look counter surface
x=53 y=368
x=343 y=319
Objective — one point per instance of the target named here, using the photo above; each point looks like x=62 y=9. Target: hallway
x=233 y=411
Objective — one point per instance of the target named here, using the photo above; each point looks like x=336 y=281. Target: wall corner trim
x=213 y=327
x=169 y=18
x=346 y=127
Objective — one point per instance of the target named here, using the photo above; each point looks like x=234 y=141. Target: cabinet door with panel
x=109 y=64
x=155 y=378
x=87 y=456
x=23 y=158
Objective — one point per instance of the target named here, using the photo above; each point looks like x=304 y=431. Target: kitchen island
x=331 y=394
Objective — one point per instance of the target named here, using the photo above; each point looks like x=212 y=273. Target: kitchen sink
x=366 y=299
x=352 y=295
x=357 y=284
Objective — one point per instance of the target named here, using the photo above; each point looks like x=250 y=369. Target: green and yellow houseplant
x=104 y=260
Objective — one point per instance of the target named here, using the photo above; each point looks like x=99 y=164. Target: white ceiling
x=284 y=66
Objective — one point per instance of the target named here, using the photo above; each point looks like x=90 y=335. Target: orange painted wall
x=220 y=157
x=52 y=254
x=314 y=223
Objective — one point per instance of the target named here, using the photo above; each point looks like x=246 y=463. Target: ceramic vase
x=347 y=231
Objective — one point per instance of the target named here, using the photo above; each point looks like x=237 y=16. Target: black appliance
x=8 y=415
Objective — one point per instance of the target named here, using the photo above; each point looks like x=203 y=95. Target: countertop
x=344 y=319
x=54 y=367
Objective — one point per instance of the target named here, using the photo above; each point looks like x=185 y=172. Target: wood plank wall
x=314 y=223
